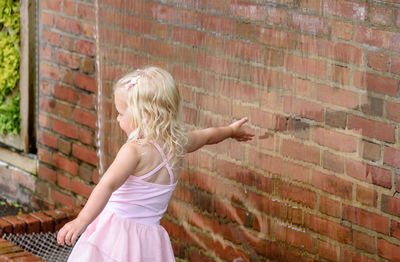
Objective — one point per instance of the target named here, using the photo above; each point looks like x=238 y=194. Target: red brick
x=302 y=108
x=391 y=156
x=87 y=12
x=47 y=71
x=301 y=151
x=397 y=182
x=89 y=30
x=276 y=38
x=80 y=188
x=47 y=173
x=371 y=174
x=298 y=194
x=395 y=67
x=266 y=162
x=364 y=242
x=86 y=137
x=47 y=139
x=69 y=8
x=366 y=219
x=68 y=59
x=296 y=238
x=65 y=129
x=377 y=38
x=380 y=16
x=346 y=9
x=64 y=110
x=329 y=206
x=54 y=5
x=248 y=11
x=19 y=226
x=333 y=162
x=268 y=120
x=44 y=121
x=395 y=232
x=308 y=23
x=341 y=75
x=366 y=196
x=32 y=223
x=51 y=37
x=65 y=93
x=85 y=118
x=393 y=111
x=68 y=25
x=59 y=217
x=371 y=128
x=46 y=53
x=85 y=82
x=5 y=227
x=47 y=19
x=342 y=29
x=388 y=250
x=43 y=155
x=64 y=181
x=378 y=61
x=84 y=154
x=329 y=138
x=65 y=164
x=46 y=222
x=337 y=96
x=328 y=228
x=391 y=205
x=348 y=256
x=332 y=184
x=376 y=83
x=306 y=66
x=328 y=251
x=62 y=198
x=268 y=78
x=370 y=151
x=276 y=16
x=85 y=47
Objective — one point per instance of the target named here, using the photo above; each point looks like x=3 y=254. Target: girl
x=121 y=219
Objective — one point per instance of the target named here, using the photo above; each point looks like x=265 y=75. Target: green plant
x=9 y=66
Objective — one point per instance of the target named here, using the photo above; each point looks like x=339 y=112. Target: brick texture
x=319 y=81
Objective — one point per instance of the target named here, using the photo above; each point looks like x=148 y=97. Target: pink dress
x=128 y=229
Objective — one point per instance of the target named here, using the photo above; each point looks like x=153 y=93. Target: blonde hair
x=155 y=105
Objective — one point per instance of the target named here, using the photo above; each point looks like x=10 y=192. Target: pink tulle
x=111 y=238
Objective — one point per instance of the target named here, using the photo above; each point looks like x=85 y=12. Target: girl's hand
x=238 y=133
x=70 y=232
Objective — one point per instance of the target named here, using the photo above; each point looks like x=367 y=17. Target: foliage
x=9 y=66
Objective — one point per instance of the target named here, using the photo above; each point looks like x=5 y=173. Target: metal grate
x=43 y=245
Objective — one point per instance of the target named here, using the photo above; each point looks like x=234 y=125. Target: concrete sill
x=23 y=161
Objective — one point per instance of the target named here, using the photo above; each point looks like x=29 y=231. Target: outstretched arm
x=123 y=165
x=214 y=135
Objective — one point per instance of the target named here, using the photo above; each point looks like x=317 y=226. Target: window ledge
x=25 y=162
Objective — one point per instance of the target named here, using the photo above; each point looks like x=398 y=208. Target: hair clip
x=132 y=82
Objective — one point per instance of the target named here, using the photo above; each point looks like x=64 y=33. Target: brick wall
x=67 y=117
x=319 y=81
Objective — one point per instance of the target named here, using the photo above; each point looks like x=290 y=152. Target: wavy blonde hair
x=155 y=105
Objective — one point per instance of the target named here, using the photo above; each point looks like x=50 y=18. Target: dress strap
x=161 y=165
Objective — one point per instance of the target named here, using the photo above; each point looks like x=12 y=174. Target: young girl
x=121 y=219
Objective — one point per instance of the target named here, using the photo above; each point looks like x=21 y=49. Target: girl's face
x=124 y=118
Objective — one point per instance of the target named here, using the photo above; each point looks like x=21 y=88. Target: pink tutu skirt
x=111 y=238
